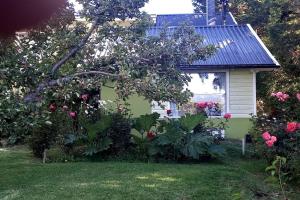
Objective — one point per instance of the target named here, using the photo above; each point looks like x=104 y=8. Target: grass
x=23 y=177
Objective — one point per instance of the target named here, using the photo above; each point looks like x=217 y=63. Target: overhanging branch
x=64 y=80
x=73 y=51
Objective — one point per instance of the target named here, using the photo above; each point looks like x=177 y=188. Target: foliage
x=119 y=133
x=178 y=141
x=279 y=134
x=64 y=58
x=41 y=139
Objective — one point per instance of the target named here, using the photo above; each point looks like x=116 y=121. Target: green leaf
x=99 y=127
x=189 y=122
x=146 y=122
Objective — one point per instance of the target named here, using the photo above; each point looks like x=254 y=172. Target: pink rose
x=270 y=143
x=291 y=127
x=273 y=94
x=151 y=135
x=73 y=115
x=85 y=97
x=266 y=136
x=298 y=96
x=273 y=139
x=227 y=116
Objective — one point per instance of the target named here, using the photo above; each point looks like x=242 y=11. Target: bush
x=180 y=141
x=277 y=135
x=41 y=139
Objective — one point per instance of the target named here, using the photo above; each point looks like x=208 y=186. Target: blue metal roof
x=191 y=19
x=238 y=47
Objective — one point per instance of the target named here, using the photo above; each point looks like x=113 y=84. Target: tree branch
x=52 y=83
x=73 y=51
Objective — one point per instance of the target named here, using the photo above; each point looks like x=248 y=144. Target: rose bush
x=278 y=133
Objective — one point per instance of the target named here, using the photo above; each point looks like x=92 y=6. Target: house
x=229 y=76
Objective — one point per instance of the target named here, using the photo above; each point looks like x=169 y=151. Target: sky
x=165 y=6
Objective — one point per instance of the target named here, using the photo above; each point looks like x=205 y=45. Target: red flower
x=201 y=105
x=291 y=127
x=150 y=135
x=169 y=112
x=85 y=97
x=73 y=115
x=266 y=136
x=53 y=107
x=227 y=116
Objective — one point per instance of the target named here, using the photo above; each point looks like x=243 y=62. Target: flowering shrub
x=278 y=134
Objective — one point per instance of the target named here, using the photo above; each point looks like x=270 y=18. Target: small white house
x=229 y=76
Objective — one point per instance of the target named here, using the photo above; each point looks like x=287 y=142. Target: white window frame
x=227 y=89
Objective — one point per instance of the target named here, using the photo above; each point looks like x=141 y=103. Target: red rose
x=52 y=107
x=201 y=105
x=150 y=135
x=291 y=127
x=227 y=116
x=169 y=112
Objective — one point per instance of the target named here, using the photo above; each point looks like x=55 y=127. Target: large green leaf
x=146 y=122
x=99 y=127
x=98 y=146
x=189 y=122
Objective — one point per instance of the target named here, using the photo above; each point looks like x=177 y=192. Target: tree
x=66 y=56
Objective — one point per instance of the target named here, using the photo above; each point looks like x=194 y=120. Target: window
x=207 y=87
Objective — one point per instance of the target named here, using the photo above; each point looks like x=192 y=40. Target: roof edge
x=263 y=45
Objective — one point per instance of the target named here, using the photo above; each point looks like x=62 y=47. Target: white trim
x=248 y=116
x=254 y=93
x=233 y=18
x=227 y=91
x=263 y=45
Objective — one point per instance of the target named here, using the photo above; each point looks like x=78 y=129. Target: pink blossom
x=73 y=115
x=85 y=97
x=298 y=126
x=266 y=136
x=273 y=139
x=270 y=143
x=280 y=96
x=227 y=116
x=291 y=127
x=298 y=96
x=201 y=105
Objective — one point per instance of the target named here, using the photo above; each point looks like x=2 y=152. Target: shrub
x=278 y=134
x=179 y=140
x=41 y=139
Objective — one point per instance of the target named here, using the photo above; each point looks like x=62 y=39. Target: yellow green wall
x=138 y=104
x=238 y=127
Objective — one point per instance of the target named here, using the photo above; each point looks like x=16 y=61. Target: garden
x=60 y=139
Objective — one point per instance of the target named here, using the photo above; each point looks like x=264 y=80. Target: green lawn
x=22 y=177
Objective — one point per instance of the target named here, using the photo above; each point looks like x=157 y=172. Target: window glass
x=209 y=88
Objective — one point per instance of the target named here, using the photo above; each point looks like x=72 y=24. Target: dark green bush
x=42 y=138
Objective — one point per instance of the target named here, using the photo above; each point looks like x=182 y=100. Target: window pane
x=207 y=87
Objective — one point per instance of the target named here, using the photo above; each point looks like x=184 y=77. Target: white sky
x=164 y=6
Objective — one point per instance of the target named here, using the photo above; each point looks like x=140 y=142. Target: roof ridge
x=215 y=26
